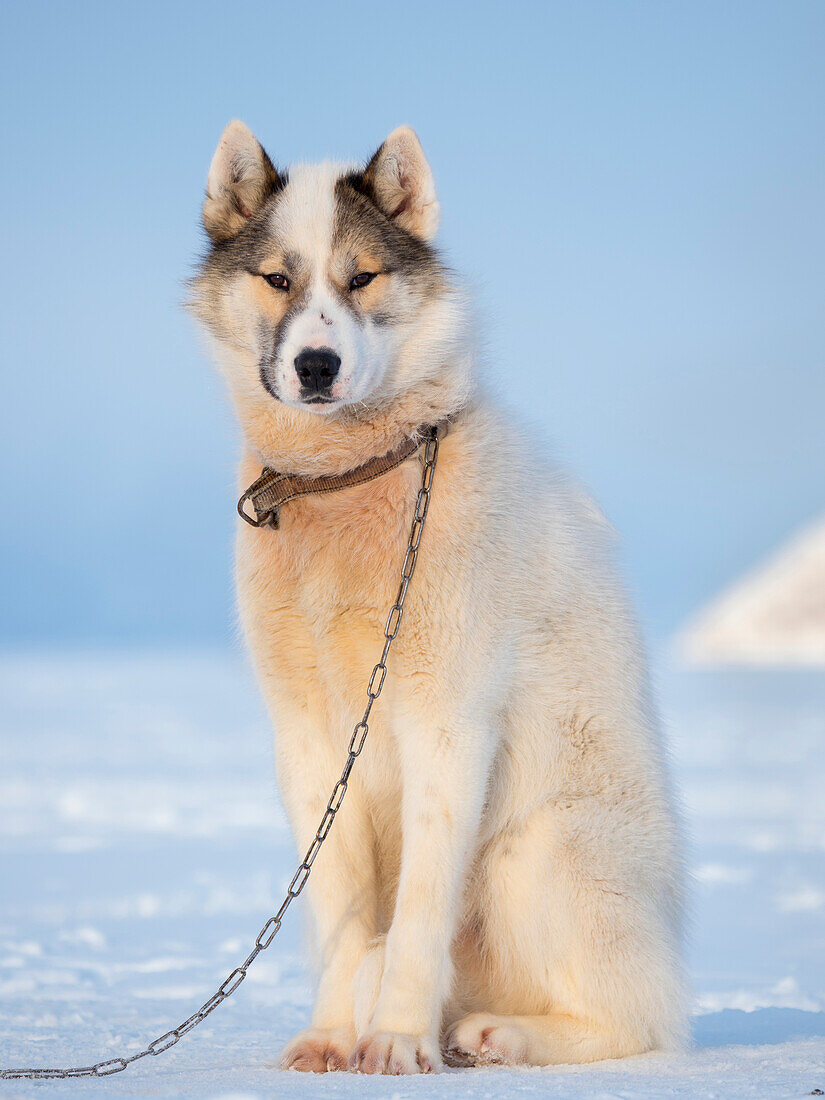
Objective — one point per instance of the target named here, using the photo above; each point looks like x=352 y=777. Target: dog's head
x=321 y=283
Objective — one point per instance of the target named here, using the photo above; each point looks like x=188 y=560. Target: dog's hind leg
x=577 y=948
x=485 y=1038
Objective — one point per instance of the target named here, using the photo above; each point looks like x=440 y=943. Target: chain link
x=359 y=735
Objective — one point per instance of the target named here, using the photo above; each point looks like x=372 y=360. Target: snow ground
x=143 y=846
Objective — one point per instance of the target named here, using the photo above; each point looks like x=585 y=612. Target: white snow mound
x=775 y=615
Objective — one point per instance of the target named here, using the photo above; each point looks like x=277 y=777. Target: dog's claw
x=394 y=1053
x=316 y=1051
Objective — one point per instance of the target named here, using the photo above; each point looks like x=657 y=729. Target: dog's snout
x=316 y=369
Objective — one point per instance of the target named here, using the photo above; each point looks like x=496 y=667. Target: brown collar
x=273 y=489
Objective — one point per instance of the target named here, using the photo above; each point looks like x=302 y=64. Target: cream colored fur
x=504 y=881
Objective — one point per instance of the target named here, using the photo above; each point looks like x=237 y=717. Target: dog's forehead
x=303 y=219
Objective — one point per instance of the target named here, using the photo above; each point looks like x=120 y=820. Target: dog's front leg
x=444 y=769
x=342 y=893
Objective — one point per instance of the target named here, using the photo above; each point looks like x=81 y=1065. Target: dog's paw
x=394 y=1052
x=484 y=1039
x=317 y=1050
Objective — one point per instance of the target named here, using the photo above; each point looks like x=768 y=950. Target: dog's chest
x=315 y=593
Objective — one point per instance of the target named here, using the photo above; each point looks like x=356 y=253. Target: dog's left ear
x=401 y=184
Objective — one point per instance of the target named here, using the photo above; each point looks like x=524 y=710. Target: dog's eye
x=280 y=282
x=361 y=279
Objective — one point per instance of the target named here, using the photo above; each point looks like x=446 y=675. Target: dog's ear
x=241 y=178
x=400 y=182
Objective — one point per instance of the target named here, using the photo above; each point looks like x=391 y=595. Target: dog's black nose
x=317 y=368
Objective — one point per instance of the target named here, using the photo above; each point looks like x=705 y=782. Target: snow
x=775 y=615
x=143 y=846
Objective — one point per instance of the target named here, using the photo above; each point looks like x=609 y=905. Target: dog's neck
x=304 y=443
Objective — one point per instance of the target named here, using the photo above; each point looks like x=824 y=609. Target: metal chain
x=270 y=929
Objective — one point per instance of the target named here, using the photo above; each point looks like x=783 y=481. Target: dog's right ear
x=241 y=178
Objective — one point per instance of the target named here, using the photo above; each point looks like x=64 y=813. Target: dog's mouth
x=315 y=400
x=319 y=400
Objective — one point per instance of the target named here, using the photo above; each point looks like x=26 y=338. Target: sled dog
x=504 y=881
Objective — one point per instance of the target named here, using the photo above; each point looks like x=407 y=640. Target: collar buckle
x=259 y=519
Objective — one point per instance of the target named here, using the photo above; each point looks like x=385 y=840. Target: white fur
x=504 y=880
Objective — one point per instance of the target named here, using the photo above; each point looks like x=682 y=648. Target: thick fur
x=504 y=882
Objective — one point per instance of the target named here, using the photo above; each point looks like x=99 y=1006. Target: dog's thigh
x=573 y=916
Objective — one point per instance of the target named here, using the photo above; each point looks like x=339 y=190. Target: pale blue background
x=636 y=191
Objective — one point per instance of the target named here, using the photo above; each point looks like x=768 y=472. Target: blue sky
x=635 y=192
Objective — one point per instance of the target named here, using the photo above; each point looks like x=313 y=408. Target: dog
x=504 y=883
